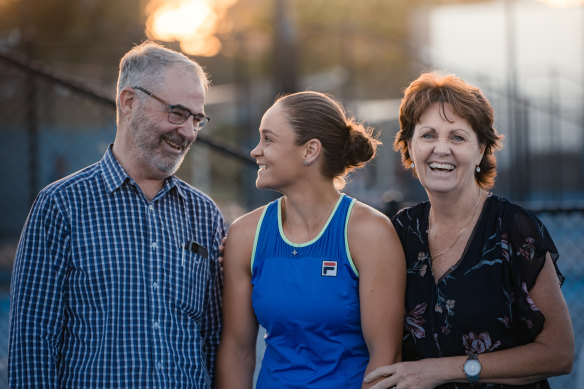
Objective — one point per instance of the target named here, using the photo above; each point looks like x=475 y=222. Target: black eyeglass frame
x=177 y=114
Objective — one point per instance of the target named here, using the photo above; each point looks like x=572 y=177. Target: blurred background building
x=58 y=69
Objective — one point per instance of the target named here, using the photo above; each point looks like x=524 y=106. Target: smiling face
x=158 y=147
x=445 y=152
x=279 y=159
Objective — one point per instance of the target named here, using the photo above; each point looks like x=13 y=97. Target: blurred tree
x=367 y=39
x=354 y=46
x=370 y=40
x=83 y=39
x=360 y=45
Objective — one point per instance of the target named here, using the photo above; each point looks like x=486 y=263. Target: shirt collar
x=115 y=175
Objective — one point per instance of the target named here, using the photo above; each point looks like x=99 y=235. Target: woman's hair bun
x=360 y=146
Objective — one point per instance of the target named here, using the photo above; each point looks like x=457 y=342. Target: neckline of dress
x=317 y=237
x=466 y=247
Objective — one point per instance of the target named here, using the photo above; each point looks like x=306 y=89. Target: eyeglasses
x=178 y=114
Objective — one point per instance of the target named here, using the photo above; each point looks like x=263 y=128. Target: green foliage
x=368 y=41
x=66 y=31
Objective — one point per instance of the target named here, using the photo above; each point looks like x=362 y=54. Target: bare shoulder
x=373 y=241
x=242 y=232
x=366 y=220
x=245 y=226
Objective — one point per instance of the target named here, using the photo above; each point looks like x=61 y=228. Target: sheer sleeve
x=529 y=244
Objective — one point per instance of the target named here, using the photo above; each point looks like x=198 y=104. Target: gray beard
x=149 y=147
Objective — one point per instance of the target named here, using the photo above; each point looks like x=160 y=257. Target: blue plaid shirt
x=104 y=293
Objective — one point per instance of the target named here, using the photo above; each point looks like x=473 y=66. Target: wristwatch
x=472 y=369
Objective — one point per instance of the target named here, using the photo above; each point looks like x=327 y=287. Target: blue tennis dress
x=306 y=296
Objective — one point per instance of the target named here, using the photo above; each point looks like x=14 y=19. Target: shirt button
x=159 y=365
x=151 y=208
x=156 y=326
x=155 y=285
x=154 y=246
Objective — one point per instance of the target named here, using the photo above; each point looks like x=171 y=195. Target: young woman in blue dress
x=324 y=274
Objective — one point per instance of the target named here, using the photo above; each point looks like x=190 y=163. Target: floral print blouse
x=482 y=303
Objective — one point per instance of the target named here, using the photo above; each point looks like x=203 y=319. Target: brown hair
x=347 y=144
x=466 y=100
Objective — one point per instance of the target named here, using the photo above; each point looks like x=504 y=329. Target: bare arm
x=379 y=258
x=236 y=358
x=551 y=353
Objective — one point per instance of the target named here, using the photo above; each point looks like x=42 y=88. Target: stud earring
x=478 y=169
x=412 y=165
x=306 y=163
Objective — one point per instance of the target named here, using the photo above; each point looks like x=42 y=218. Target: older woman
x=483 y=300
x=322 y=272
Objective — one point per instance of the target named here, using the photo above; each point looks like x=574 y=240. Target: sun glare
x=562 y=3
x=193 y=23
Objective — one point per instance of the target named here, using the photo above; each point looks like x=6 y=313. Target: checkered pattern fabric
x=107 y=289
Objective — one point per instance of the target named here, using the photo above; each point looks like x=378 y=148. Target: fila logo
x=329 y=268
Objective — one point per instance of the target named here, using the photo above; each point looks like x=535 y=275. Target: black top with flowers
x=481 y=304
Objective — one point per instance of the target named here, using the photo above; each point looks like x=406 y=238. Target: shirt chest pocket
x=188 y=282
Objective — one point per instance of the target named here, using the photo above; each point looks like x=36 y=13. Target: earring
x=306 y=163
x=412 y=165
x=478 y=169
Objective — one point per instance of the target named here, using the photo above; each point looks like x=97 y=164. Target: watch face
x=472 y=367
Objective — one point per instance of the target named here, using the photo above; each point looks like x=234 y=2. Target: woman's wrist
x=451 y=369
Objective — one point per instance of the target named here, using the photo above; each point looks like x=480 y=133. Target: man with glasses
x=116 y=280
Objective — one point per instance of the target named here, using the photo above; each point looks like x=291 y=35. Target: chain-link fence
x=567 y=230
x=51 y=128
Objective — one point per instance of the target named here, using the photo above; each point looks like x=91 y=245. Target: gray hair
x=149 y=61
